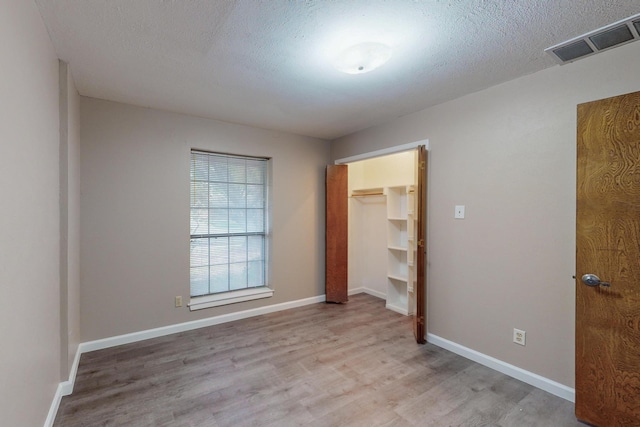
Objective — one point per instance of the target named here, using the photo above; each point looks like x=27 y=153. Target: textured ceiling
x=267 y=63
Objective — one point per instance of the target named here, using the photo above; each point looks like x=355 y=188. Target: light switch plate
x=459 y=212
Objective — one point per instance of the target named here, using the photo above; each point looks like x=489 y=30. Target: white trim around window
x=215 y=300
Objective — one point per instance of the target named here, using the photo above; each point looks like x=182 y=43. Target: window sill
x=198 y=303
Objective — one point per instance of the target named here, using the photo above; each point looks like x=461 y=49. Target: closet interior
x=382 y=229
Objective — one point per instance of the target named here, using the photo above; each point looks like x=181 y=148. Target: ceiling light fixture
x=362 y=58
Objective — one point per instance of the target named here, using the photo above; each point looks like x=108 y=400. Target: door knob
x=593 y=280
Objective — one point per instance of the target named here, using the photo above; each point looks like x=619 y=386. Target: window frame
x=198 y=302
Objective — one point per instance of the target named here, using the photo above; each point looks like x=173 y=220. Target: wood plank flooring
x=355 y=364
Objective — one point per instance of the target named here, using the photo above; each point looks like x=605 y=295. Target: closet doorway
x=376 y=235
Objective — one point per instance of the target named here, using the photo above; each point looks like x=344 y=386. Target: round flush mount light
x=362 y=58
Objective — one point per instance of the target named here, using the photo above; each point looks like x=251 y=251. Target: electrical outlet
x=178 y=301
x=519 y=336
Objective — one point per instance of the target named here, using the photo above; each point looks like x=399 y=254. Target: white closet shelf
x=397 y=248
x=398 y=278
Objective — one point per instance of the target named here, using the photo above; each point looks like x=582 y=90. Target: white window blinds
x=228 y=215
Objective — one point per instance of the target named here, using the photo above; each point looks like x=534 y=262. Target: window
x=228 y=228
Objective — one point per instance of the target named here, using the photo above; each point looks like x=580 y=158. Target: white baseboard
x=65 y=388
x=535 y=380
x=353 y=291
x=375 y=293
x=55 y=404
x=363 y=290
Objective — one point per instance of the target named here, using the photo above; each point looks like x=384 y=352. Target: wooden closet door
x=336 y=234
x=419 y=320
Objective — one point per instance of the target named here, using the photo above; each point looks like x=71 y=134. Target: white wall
x=508 y=154
x=135 y=214
x=396 y=169
x=29 y=218
x=368 y=244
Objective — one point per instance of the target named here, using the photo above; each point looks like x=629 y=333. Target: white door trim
x=383 y=152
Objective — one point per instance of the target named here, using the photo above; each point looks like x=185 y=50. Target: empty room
x=322 y=213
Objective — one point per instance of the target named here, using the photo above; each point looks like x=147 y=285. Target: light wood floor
x=355 y=364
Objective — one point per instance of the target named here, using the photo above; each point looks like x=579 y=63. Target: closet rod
x=380 y=193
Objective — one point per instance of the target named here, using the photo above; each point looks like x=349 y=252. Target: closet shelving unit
x=401 y=248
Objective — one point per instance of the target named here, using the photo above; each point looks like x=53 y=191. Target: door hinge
x=421 y=242
x=422 y=164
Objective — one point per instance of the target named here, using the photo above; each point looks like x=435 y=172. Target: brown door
x=419 y=321
x=608 y=246
x=336 y=234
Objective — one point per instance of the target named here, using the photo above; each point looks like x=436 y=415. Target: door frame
x=383 y=152
x=394 y=150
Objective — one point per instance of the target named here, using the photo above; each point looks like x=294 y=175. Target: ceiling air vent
x=608 y=37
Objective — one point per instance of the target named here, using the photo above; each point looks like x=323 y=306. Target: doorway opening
x=376 y=230
x=382 y=229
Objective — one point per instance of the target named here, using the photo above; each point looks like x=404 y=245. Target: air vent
x=608 y=37
x=573 y=51
x=613 y=37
